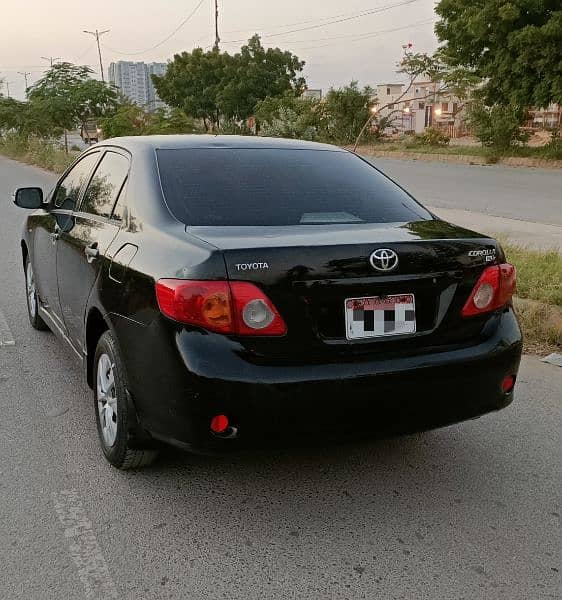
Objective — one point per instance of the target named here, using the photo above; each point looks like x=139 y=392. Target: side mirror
x=29 y=197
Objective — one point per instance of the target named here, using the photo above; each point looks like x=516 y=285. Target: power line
x=83 y=54
x=97 y=35
x=334 y=21
x=191 y=14
x=264 y=29
x=359 y=37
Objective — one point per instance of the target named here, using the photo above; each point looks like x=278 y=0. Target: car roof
x=179 y=142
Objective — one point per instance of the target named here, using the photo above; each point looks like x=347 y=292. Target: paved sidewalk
x=534 y=235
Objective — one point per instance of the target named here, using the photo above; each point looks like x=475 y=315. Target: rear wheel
x=32 y=298
x=115 y=416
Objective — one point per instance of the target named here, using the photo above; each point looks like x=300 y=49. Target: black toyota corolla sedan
x=221 y=291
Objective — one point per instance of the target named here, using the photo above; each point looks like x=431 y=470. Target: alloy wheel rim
x=31 y=291
x=107 y=400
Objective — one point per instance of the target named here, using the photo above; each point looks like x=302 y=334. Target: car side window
x=106 y=184
x=67 y=193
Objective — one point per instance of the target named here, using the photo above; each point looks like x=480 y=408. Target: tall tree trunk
x=65 y=141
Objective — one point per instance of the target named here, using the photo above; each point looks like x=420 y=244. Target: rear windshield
x=255 y=187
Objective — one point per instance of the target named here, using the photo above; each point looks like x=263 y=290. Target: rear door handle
x=92 y=252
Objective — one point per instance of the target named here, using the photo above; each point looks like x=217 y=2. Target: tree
x=169 y=122
x=347 y=109
x=514 y=46
x=256 y=73
x=128 y=119
x=214 y=85
x=291 y=117
x=192 y=83
x=69 y=96
x=25 y=118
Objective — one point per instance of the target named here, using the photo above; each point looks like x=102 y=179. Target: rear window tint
x=256 y=187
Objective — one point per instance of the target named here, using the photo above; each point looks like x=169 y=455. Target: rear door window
x=257 y=186
x=106 y=184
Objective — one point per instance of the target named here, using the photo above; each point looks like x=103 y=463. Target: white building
x=314 y=94
x=134 y=81
x=420 y=107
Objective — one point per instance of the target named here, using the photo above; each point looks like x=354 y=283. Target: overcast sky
x=334 y=53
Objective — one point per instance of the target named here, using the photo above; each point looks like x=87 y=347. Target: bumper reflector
x=508 y=384
x=219 y=423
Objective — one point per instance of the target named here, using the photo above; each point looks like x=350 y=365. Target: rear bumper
x=207 y=374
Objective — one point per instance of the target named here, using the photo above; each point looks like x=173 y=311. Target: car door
x=82 y=248
x=48 y=227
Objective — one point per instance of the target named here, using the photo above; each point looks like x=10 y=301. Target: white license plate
x=379 y=316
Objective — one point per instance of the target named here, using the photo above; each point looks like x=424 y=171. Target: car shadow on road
x=441 y=468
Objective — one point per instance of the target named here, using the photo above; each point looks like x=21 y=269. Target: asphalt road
x=467 y=512
x=515 y=193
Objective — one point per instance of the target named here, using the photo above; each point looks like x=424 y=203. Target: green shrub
x=497 y=127
x=553 y=149
x=433 y=137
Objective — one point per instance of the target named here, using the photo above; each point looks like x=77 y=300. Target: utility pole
x=25 y=74
x=51 y=59
x=7 y=86
x=97 y=35
x=217 y=38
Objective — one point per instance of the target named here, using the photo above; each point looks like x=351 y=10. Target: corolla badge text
x=488 y=253
x=251 y=266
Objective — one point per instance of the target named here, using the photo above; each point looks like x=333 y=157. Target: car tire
x=32 y=298
x=115 y=415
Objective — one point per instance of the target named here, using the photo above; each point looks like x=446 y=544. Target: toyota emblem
x=384 y=259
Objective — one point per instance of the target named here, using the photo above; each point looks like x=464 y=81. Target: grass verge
x=539 y=297
x=550 y=152
x=42 y=153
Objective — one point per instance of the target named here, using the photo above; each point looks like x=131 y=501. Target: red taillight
x=493 y=290
x=237 y=307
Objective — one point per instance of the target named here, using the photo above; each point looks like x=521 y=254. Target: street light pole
x=97 y=35
x=217 y=38
x=51 y=59
x=25 y=74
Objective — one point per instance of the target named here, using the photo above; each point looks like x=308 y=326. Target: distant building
x=153 y=99
x=421 y=107
x=134 y=81
x=314 y=94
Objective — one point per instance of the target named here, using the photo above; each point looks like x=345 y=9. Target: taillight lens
x=493 y=290
x=255 y=313
x=236 y=307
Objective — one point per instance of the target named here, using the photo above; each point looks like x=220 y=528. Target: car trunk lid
x=309 y=272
